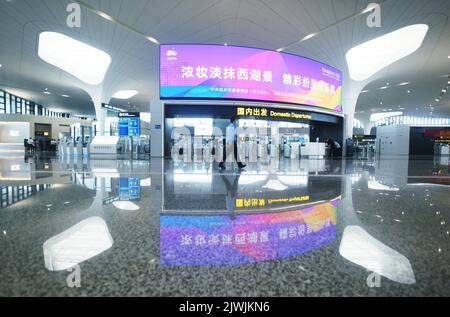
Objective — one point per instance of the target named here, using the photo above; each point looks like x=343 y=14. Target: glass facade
x=13 y=104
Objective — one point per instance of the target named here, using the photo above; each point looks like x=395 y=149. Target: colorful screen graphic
x=230 y=72
x=218 y=240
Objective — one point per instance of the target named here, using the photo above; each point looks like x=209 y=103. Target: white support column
x=157 y=128
x=367 y=126
x=349 y=100
x=101 y=117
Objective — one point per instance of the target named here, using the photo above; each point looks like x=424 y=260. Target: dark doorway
x=43 y=135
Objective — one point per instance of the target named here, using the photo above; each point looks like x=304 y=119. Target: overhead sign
x=271 y=113
x=129 y=124
x=437 y=133
x=230 y=72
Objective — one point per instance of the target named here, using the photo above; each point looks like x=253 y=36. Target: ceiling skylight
x=372 y=56
x=85 y=62
x=125 y=94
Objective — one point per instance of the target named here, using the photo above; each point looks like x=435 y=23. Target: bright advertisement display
x=218 y=240
x=231 y=72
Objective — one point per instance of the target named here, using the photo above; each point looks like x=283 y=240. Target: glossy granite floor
x=361 y=227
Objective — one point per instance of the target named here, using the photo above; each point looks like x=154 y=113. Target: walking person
x=231 y=143
x=31 y=145
x=230 y=197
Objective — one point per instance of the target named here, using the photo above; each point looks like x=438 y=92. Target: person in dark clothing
x=230 y=197
x=231 y=141
x=331 y=146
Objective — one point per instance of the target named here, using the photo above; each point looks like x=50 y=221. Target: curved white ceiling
x=338 y=26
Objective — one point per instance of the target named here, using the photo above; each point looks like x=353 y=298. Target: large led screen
x=242 y=73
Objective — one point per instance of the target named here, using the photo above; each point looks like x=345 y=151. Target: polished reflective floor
x=358 y=227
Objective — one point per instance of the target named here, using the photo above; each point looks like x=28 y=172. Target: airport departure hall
x=224 y=148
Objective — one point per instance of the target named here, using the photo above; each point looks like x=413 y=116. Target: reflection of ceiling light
x=274 y=185
x=247 y=179
x=437 y=99
x=378 y=186
x=65 y=96
x=384 y=87
x=368 y=58
x=293 y=179
x=126 y=205
x=145 y=116
x=364 y=91
x=381 y=115
x=47 y=92
x=361 y=248
x=77 y=244
x=280 y=49
x=403 y=84
x=193 y=178
x=77 y=58
x=125 y=94
x=408 y=91
x=146 y=182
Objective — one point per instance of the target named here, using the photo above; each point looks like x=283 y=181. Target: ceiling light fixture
x=125 y=94
x=105 y=16
x=382 y=115
x=77 y=58
x=308 y=37
x=368 y=58
x=153 y=40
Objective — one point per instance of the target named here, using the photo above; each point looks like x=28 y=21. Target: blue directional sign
x=129 y=124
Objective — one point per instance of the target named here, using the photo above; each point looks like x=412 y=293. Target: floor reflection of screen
x=216 y=240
